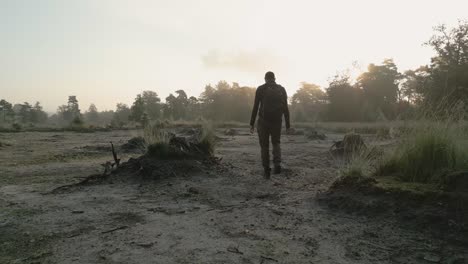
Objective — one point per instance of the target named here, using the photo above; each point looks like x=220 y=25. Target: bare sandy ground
x=225 y=215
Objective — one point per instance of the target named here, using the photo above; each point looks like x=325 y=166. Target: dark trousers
x=265 y=131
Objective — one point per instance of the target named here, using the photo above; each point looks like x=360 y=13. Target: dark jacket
x=258 y=103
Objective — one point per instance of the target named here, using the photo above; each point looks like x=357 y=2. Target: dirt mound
x=149 y=168
x=170 y=157
x=413 y=206
x=135 y=144
x=179 y=156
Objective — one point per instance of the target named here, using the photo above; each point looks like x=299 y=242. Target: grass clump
x=426 y=154
x=207 y=139
x=155 y=134
x=360 y=163
x=157 y=141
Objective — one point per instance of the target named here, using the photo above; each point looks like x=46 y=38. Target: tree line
x=382 y=92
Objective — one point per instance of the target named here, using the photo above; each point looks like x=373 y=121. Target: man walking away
x=272 y=100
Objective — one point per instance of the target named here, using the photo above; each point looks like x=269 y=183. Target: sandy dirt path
x=227 y=215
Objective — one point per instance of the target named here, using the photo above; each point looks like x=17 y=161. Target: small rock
x=233 y=249
x=193 y=190
x=145 y=245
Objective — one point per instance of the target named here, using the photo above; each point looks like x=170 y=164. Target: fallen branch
x=268 y=258
x=74 y=235
x=114 y=229
x=234 y=250
x=85 y=181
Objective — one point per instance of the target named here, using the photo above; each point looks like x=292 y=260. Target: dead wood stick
x=114 y=154
x=268 y=258
x=85 y=181
x=114 y=229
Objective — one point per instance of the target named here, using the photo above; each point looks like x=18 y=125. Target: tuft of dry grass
x=155 y=134
x=208 y=138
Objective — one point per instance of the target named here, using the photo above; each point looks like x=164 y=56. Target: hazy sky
x=107 y=51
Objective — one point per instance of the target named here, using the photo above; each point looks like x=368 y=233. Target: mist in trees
x=225 y=102
x=308 y=103
x=147 y=105
x=381 y=92
x=24 y=113
x=70 y=112
x=91 y=116
x=121 y=115
x=7 y=114
x=27 y=113
x=344 y=100
x=447 y=76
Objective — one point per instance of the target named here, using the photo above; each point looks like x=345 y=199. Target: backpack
x=272 y=101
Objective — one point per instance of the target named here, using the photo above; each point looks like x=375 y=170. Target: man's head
x=270 y=77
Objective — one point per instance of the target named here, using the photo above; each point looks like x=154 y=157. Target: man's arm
x=255 y=108
x=286 y=109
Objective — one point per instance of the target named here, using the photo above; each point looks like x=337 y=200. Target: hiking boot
x=267 y=174
x=277 y=170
